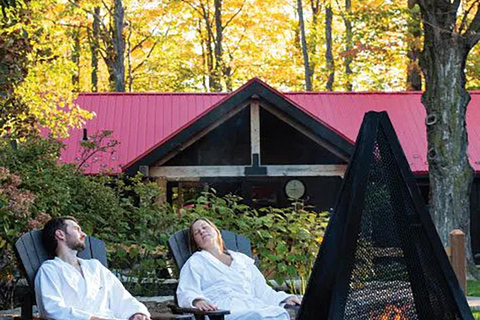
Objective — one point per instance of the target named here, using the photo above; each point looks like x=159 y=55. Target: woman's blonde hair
x=193 y=245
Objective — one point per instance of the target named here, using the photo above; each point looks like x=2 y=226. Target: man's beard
x=75 y=245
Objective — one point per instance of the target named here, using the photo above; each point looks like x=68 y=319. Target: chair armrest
x=165 y=316
x=295 y=307
x=177 y=309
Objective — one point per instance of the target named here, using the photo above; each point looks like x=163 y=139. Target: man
x=68 y=287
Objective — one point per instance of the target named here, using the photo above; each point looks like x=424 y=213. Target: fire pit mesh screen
x=381 y=283
x=381 y=258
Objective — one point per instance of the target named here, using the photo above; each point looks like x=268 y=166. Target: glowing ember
x=393 y=312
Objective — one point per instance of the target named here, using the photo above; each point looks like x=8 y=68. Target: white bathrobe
x=63 y=294
x=240 y=287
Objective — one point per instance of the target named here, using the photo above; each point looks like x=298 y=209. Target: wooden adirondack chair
x=32 y=254
x=179 y=246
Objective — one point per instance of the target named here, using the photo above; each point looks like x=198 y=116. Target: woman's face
x=204 y=234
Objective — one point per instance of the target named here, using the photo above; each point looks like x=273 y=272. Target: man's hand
x=139 y=316
x=293 y=300
x=203 y=305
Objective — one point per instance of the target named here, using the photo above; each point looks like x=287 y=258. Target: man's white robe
x=239 y=287
x=63 y=294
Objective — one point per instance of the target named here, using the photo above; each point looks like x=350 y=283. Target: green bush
x=123 y=212
x=285 y=240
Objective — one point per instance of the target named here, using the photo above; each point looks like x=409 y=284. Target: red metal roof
x=141 y=121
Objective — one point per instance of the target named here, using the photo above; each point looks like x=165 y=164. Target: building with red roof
x=262 y=144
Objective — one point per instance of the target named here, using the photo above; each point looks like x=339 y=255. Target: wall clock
x=295 y=189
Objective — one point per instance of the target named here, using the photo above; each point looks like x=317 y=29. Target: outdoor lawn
x=473 y=288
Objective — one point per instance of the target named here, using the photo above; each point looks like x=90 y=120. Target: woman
x=215 y=278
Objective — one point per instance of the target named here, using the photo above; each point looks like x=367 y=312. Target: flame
x=393 y=312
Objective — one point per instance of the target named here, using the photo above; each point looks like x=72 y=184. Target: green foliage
x=125 y=213
x=121 y=211
x=138 y=232
x=286 y=240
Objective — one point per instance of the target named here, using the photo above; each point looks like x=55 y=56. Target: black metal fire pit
x=381 y=257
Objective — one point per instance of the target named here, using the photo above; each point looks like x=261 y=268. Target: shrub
x=124 y=213
x=121 y=211
x=286 y=240
x=15 y=218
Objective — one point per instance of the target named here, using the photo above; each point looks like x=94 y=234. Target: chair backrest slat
x=38 y=244
x=180 y=249
x=98 y=250
x=28 y=267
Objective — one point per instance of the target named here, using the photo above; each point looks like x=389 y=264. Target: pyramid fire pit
x=381 y=257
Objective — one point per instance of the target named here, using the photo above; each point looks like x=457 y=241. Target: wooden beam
x=196 y=172
x=255 y=129
x=304 y=131
x=201 y=134
x=162 y=183
x=180 y=198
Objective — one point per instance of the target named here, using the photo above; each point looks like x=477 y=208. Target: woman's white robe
x=239 y=287
x=63 y=294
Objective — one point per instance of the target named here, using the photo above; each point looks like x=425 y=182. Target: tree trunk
x=119 y=46
x=76 y=58
x=329 y=42
x=301 y=24
x=218 y=70
x=94 y=48
x=313 y=42
x=212 y=83
x=445 y=99
x=349 y=45
x=414 y=74
x=129 y=59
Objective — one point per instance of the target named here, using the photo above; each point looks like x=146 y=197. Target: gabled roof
x=149 y=125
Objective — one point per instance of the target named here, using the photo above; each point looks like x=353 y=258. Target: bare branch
x=151 y=50
x=193 y=7
x=107 y=8
x=474 y=29
x=147 y=57
x=234 y=15
x=465 y=16
x=231 y=52
x=139 y=44
x=473 y=40
x=104 y=27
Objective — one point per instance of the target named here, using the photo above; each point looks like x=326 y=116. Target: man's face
x=74 y=236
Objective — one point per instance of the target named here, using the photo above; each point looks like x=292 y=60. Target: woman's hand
x=293 y=300
x=203 y=305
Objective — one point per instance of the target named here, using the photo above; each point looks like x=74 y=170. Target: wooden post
x=162 y=183
x=255 y=130
x=180 y=198
x=458 y=259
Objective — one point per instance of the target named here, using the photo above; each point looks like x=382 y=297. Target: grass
x=473 y=288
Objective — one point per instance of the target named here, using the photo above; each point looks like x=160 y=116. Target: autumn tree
x=414 y=31
x=303 y=43
x=35 y=79
x=450 y=29
x=212 y=23
x=15 y=117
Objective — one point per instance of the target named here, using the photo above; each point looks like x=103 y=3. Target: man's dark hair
x=48 y=233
